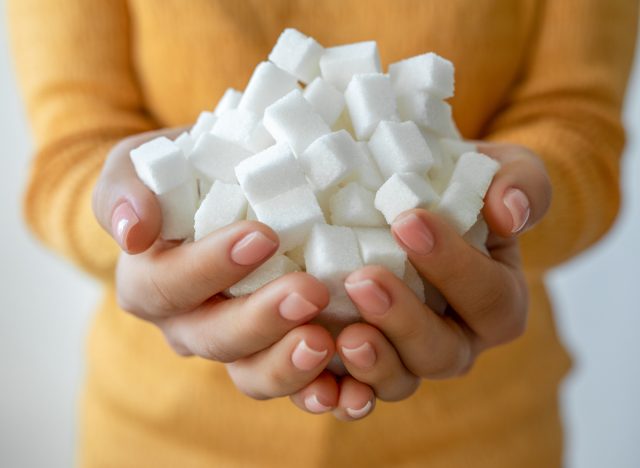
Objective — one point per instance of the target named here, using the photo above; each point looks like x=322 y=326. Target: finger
x=489 y=295
x=122 y=204
x=165 y=282
x=357 y=400
x=371 y=359
x=287 y=366
x=520 y=193
x=429 y=345
x=320 y=396
x=233 y=329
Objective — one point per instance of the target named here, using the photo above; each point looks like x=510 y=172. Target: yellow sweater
x=546 y=74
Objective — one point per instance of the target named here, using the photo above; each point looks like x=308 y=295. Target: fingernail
x=363 y=356
x=414 y=234
x=252 y=248
x=295 y=307
x=358 y=413
x=313 y=405
x=369 y=296
x=122 y=221
x=306 y=358
x=518 y=205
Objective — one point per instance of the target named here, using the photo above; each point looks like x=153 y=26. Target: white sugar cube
x=325 y=99
x=267 y=84
x=478 y=234
x=413 y=280
x=272 y=269
x=366 y=171
x=223 y=205
x=402 y=192
x=475 y=172
x=229 y=100
x=427 y=111
x=344 y=123
x=244 y=128
x=428 y=72
x=178 y=207
x=443 y=164
x=353 y=206
x=204 y=185
x=339 y=313
x=186 y=143
x=378 y=247
x=460 y=206
x=296 y=255
x=330 y=159
x=204 y=124
x=215 y=158
x=324 y=199
x=292 y=120
x=297 y=54
x=269 y=173
x=251 y=215
x=339 y=64
x=399 y=147
x=434 y=299
x=331 y=254
x=370 y=99
x=457 y=148
x=291 y=215
x=160 y=165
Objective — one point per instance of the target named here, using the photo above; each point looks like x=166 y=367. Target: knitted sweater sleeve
x=74 y=66
x=567 y=108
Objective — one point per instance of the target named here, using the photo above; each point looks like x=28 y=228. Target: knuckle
x=178 y=347
x=244 y=385
x=276 y=381
x=213 y=349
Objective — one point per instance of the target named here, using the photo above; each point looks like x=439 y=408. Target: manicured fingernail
x=122 y=221
x=414 y=234
x=306 y=358
x=364 y=356
x=295 y=307
x=313 y=405
x=518 y=205
x=369 y=296
x=252 y=248
x=359 y=413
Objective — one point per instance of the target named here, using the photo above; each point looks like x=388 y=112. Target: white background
x=45 y=307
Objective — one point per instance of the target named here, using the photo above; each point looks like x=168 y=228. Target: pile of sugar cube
x=327 y=150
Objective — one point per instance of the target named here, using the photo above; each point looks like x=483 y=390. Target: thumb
x=122 y=204
x=520 y=193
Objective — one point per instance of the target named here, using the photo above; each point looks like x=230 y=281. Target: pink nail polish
x=364 y=356
x=252 y=248
x=306 y=358
x=414 y=234
x=359 y=413
x=123 y=220
x=295 y=307
x=368 y=296
x=313 y=404
x=518 y=205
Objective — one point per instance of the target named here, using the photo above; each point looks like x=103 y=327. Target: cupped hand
x=265 y=339
x=401 y=340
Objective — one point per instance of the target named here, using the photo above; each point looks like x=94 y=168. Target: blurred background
x=45 y=308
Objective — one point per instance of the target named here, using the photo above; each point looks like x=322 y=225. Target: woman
x=544 y=79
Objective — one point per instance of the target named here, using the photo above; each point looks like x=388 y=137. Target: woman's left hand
x=402 y=341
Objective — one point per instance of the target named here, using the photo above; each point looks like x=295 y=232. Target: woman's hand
x=264 y=338
x=401 y=340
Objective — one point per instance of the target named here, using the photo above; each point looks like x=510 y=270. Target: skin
x=401 y=341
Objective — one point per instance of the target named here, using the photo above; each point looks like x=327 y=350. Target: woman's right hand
x=265 y=339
